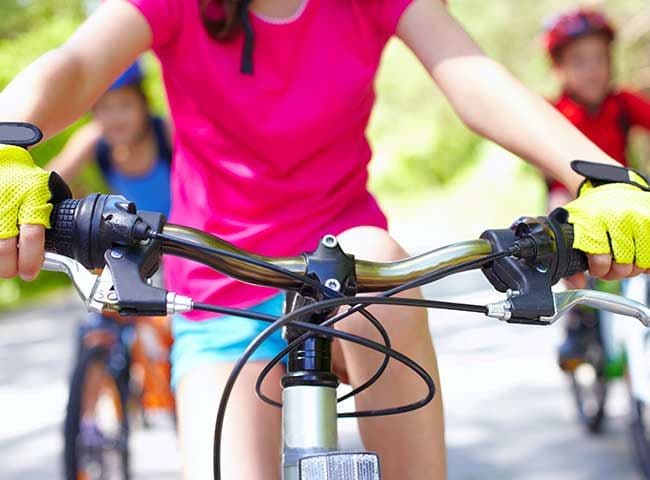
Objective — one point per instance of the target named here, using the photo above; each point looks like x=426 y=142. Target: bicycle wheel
x=640 y=430
x=98 y=451
x=589 y=387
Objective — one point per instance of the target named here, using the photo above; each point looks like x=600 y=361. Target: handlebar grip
x=576 y=261
x=59 y=238
x=85 y=229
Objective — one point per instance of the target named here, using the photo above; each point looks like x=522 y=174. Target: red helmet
x=565 y=28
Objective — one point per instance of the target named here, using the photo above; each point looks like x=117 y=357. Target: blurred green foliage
x=20 y=16
x=28 y=29
x=418 y=141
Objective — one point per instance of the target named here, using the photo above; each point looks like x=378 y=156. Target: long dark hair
x=225 y=26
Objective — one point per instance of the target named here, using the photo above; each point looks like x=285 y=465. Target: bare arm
x=489 y=99
x=60 y=87
x=64 y=84
x=79 y=149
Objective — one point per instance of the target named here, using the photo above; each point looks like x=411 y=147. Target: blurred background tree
x=420 y=146
x=21 y=16
x=418 y=140
x=28 y=29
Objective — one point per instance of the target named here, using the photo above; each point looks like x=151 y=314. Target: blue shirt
x=149 y=191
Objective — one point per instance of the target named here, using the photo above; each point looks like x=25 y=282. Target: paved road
x=35 y=358
x=509 y=415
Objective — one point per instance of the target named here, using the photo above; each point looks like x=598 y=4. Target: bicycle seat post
x=309 y=414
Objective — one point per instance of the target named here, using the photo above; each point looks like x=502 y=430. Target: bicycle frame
x=524 y=261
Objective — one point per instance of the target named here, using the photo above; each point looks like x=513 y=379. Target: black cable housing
x=357 y=304
x=292 y=318
x=422 y=280
x=301 y=278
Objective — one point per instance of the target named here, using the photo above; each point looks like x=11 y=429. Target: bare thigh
x=251 y=439
x=411 y=446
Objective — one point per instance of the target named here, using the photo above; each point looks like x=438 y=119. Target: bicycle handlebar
x=85 y=229
x=107 y=230
x=370 y=276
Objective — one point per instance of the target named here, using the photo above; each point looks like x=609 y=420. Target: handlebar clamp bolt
x=541 y=268
x=333 y=284
x=112 y=297
x=116 y=254
x=330 y=241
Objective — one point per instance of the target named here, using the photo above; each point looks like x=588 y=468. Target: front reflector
x=340 y=466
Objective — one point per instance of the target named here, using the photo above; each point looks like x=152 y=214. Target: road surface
x=509 y=415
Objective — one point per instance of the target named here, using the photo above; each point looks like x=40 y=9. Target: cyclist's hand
x=24 y=212
x=611 y=219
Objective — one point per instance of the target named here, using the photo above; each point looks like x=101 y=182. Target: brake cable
x=427 y=278
x=422 y=280
x=270 y=318
x=291 y=319
x=358 y=306
x=300 y=278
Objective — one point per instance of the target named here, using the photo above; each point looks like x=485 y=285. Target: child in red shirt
x=580 y=45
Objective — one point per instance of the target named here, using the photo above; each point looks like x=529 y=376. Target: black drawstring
x=249 y=39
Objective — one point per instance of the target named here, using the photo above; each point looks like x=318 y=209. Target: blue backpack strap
x=103 y=156
x=164 y=146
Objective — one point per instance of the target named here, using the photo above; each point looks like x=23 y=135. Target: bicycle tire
x=591 y=399
x=640 y=433
x=72 y=421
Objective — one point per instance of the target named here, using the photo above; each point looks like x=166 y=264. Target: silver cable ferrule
x=178 y=303
x=500 y=310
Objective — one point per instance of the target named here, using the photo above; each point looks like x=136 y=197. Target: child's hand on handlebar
x=24 y=212
x=611 y=219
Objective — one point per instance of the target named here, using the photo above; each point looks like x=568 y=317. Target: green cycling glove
x=612 y=213
x=24 y=191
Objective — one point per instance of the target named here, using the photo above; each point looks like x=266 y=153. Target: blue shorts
x=222 y=339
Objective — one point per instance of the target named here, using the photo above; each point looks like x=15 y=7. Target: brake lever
x=564 y=301
x=90 y=287
x=98 y=291
x=610 y=302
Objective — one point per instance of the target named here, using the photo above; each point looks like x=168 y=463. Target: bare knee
x=403 y=324
x=371 y=243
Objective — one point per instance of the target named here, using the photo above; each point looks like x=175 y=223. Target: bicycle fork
x=309 y=415
x=309 y=429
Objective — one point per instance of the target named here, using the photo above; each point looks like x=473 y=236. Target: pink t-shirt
x=272 y=161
